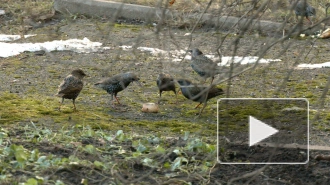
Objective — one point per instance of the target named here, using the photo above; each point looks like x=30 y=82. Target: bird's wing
x=204 y=63
x=215 y=92
x=70 y=84
x=193 y=92
x=109 y=81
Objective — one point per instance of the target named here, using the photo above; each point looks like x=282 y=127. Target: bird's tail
x=98 y=84
x=59 y=95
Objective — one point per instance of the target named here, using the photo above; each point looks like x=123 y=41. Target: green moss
x=134 y=28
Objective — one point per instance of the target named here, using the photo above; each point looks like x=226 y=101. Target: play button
x=259 y=131
x=263 y=131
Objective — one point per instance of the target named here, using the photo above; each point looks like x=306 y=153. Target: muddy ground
x=30 y=77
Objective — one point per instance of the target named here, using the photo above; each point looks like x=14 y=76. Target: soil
x=39 y=76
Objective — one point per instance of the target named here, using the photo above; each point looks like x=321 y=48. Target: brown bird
x=117 y=83
x=199 y=94
x=71 y=86
x=165 y=82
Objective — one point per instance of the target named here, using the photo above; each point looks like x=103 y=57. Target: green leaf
x=34 y=155
x=160 y=149
x=178 y=162
x=186 y=135
x=171 y=175
x=41 y=159
x=167 y=165
x=20 y=154
x=30 y=181
x=154 y=140
x=99 y=165
x=2 y=136
x=148 y=162
x=136 y=154
x=119 y=132
x=120 y=135
x=135 y=143
x=141 y=148
x=58 y=182
x=40 y=179
x=84 y=181
x=89 y=149
x=177 y=151
x=89 y=133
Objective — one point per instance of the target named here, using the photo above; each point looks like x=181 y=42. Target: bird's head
x=164 y=77
x=195 y=52
x=78 y=73
x=311 y=11
x=131 y=77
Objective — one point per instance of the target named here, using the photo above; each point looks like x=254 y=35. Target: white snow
x=76 y=45
x=177 y=56
x=6 y=38
x=313 y=66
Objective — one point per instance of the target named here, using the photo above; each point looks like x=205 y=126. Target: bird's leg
x=117 y=99
x=74 y=105
x=200 y=112
x=297 y=19
x=198 y=105
x=160 y=96
x=176 y=97
x=309 y=20
x=212 y=80
x=59 y=108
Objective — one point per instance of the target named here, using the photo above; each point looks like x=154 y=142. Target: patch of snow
x=126 y=47
x=245 y=60
x=7 y=38
x=76 y=45
x=177 y=55
x=153 y=51
x=313 y=66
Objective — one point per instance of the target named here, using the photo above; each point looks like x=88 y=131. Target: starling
x=302 y=8
x=71 y=86
x=203 y=66
x=199 y=94
x=117 y=83
x=165 y=82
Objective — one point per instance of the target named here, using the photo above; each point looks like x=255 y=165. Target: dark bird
x=71 y=86
x=165 y=82
x=199 y=94
x=302 y=8
x=117 y=83
x=203 y=66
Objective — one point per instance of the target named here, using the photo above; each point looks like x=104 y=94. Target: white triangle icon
x=259 y=131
